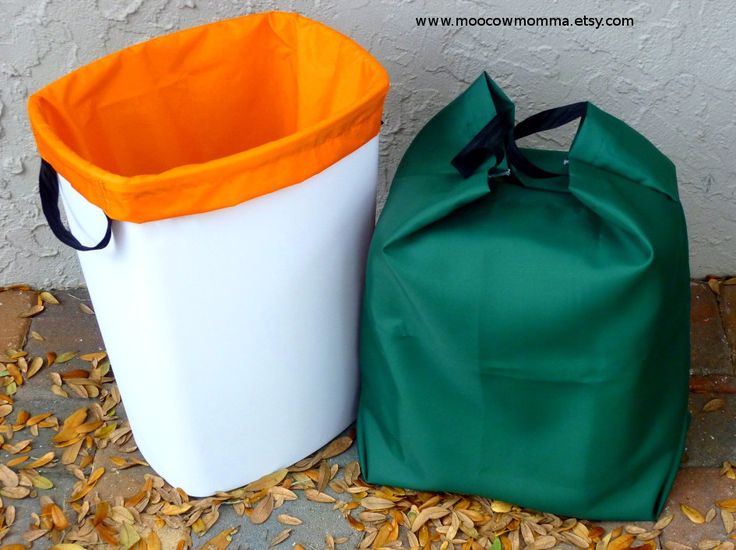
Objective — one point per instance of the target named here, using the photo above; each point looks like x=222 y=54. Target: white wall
x=672 y=76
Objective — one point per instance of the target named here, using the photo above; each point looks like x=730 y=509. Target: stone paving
x=66 y=327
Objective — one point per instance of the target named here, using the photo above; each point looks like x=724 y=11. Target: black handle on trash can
x=48 y=187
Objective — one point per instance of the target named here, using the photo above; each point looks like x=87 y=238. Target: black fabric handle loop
x=486 y=143
x=539 y=122
x=48 y=187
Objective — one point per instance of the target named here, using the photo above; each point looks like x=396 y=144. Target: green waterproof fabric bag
x=525 y=330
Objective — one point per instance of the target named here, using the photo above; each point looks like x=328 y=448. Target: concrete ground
x=70 y=326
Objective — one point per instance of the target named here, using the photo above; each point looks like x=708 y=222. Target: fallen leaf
x=692 y=514
x=127 y=536
x=94 y=356
x=542 y=543
x=267 y=481
x=34 y=367
x=728 y=521
x=729 y=505
x=376 y=503
x=317 y=496
x=262 y=511
x=59 y=519
x=663 y=522
x=42 y=461
x=221 y=541
x=15 y=492
x=281 y=537
x=41 y=482
x=32 y=312
x=714 y=405
x=433 y=512
x=48 y=298
x=621 y=543
x=175 y=509
x=152 y=541
x=499 y=506
x=715 y=285
x=86 y=309
x=66 y=357
x=337 y=447
x=289 y=520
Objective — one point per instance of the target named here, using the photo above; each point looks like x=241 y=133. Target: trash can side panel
x=239 y=309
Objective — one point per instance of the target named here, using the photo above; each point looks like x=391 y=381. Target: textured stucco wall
x=672 y=76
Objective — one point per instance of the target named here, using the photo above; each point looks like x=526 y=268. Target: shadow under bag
x=525 y=330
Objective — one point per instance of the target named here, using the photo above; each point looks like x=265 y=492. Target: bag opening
x=259 y=89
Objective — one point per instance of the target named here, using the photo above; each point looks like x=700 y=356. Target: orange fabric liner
x=209 y=117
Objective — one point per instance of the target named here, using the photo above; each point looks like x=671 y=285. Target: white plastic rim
x=233 y=334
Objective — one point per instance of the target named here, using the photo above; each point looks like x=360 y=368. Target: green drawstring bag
x=525 y=330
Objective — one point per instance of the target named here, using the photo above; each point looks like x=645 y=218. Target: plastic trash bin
x=232 y=170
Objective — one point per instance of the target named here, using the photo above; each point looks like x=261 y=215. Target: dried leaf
x=34 y=367
x=317 y=496
x=70 y=454
x=42 y=461
x=221 y=541
x=337 y=447
x=86 y=309
x=714 y=405
x=262 y=511
x=710 y=515
x=41 y=482
x=127 y=536
x=376 y=503
x=152 y=541
x=433 y=512
x=267 y=481
x=281 y=537
x=48 y=298
x=324 y=476
x=289 y=520
x=33 y=311
x=94 y=356
x=19 y=447
x=500 y=507
x=692 y=514
x=66 y=357
x=543 y=543
x=175 y=509
x=729 y=505
x=663 y=522
x=68 y=430
x=58 y=518
x=8 y=477
x=15 y=492
x=728 y=521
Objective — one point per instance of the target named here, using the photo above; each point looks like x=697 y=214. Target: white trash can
x=232 y=169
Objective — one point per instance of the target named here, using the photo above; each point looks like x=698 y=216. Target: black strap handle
x=486 y=143
x=48 y=187
x=539 y=122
